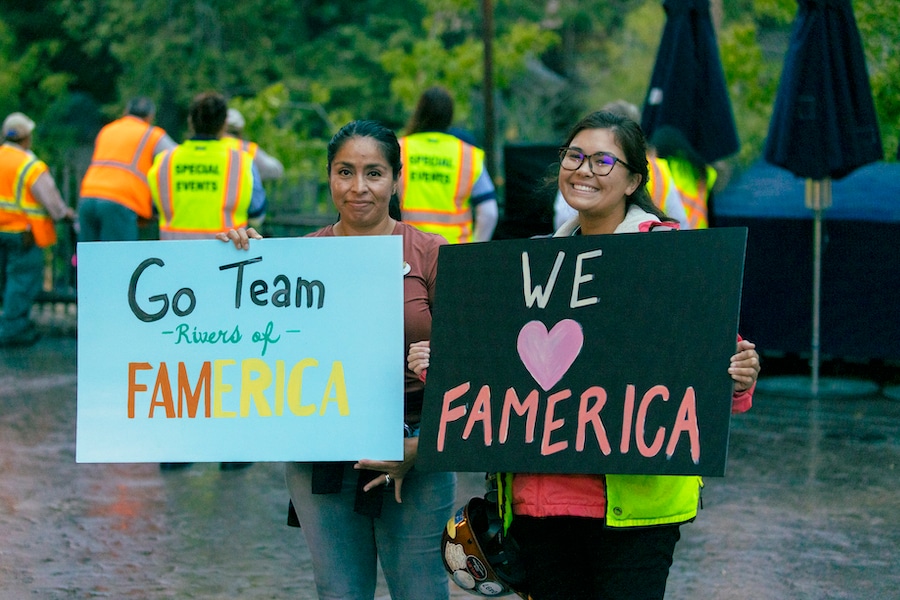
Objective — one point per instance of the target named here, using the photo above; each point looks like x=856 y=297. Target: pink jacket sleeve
x=742 y=401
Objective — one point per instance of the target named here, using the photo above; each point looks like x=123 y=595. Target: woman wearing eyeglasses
x=605 y=536
x=570 y=542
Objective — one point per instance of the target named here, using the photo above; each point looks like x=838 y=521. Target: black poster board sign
x=586 y=354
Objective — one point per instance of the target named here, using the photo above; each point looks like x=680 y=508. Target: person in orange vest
x=443 y=180
x=204 y=186
x=269 y=166
x=30 y=203
x=114 y=192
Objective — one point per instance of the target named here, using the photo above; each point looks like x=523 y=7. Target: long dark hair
x=629 y=136
x=434 y=111
x=386 y=140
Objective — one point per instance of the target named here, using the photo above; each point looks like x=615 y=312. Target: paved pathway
x=809 y=508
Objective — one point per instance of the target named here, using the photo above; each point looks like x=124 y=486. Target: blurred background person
x=444 y=186
x=205 y=186
x=694 y=178
x=30 y=203
x=269 y=167
x=114 y=190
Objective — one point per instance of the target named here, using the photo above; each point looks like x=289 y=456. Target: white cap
x=234 y=120
x=17 y=126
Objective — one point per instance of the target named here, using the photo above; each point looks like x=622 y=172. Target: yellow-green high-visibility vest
x=201 y=188
x=694 y=193
x=439 y=172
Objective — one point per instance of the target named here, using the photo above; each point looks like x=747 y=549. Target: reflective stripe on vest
x=440 y=204
x=239 y=144
x=132 y=166
x=181 y=217
x=657 y=184
x=123 y=153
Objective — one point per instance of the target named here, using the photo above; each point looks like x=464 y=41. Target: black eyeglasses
x=601 y=163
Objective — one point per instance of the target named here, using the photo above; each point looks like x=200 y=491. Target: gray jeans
x=406 y=538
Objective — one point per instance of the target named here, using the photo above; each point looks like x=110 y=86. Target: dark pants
x=23 y=268
x=106 y=221
x=570 y=558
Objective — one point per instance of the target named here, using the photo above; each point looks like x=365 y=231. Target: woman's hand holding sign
x=240 y=237
x=744 y=367
x=419 y=357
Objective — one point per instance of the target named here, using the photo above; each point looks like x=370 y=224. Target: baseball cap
x=17 y=126
x=234 y=119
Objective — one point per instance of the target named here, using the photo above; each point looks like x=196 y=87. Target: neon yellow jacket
x=439 y=172
x=201 y=188
x=695 y=193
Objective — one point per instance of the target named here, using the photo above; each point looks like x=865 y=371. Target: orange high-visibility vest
x=123 y=154
x=439 y=172
x=201 y=188
x=19 y=209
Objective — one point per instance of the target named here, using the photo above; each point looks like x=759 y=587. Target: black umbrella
x=687 y=88
x=823 y=124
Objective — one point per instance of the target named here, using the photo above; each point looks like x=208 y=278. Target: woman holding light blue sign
x=354 y=515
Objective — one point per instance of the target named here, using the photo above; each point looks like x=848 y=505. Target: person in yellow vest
x=269 y=166
x=114 y=191
x=205 y=186
x=30 y=203
x=695 y=179
x=660 y=183
x=444 y=186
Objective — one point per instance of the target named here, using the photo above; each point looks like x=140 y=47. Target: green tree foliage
x=451 y=54
x=300 y=68
x=879 y=27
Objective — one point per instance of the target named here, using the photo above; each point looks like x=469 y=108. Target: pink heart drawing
x=548 y=355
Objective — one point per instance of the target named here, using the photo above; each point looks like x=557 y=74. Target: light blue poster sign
x=195 y=351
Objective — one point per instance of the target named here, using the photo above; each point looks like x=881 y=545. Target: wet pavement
x=809 y=507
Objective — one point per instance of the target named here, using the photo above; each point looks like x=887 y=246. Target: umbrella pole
x=818 y=198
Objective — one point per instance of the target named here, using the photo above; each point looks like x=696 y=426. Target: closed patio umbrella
x=687 y=88
x=823 y=123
